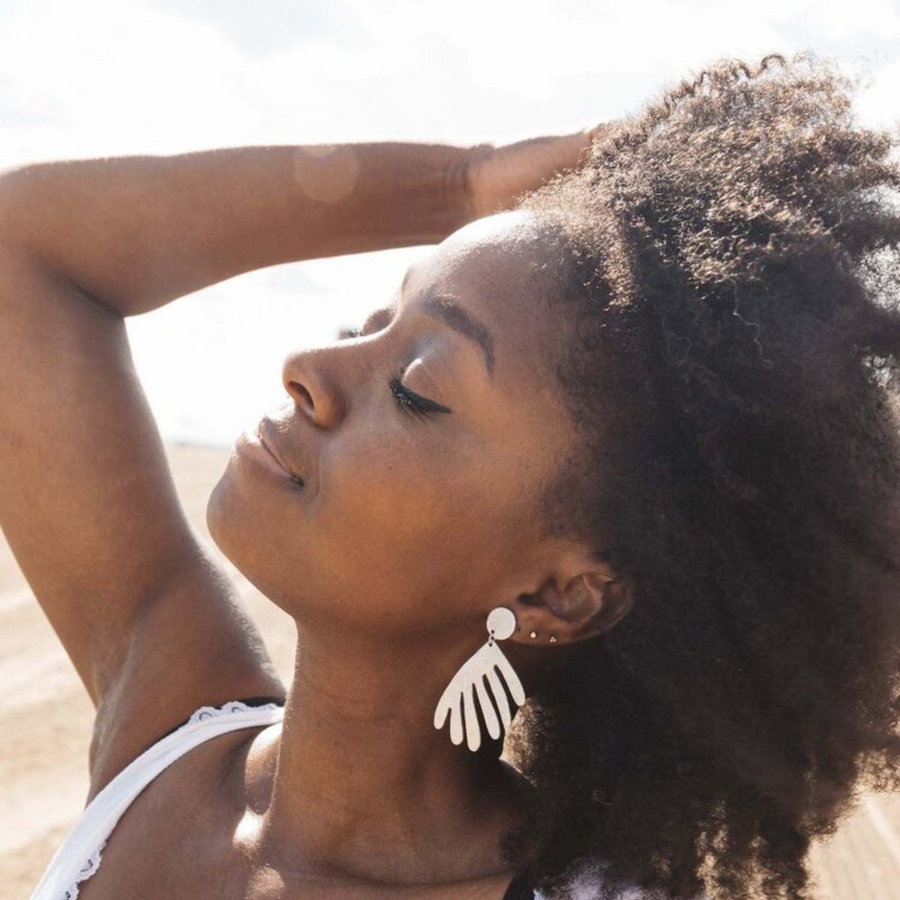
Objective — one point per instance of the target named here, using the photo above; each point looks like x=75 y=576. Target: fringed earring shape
x=468 y=686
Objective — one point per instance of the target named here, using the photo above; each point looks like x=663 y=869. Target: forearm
x=136 y=232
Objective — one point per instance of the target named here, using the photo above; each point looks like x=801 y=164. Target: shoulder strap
x=79 y=855
x=247 y=701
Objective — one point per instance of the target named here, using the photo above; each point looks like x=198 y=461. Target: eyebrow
x=447 y=310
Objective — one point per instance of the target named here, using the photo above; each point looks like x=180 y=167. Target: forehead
x=508 y=248
x=502 y=270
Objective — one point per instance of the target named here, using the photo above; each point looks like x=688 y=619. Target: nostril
x=312 y=393
x=302 y=394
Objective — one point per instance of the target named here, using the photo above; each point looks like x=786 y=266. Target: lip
x=271 y=446
x=250 y=446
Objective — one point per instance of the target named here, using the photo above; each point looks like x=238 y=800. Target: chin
x=236 y=528
x=217 y=513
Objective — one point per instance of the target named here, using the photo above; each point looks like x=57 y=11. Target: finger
x=499 y=695
x=456 y=729
x=473 y=730
x=445 y=704
x=512 y=680
x=440 y=714
x=487 y=710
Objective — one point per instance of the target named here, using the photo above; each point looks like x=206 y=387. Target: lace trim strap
x=205 y=714
x=245 y=703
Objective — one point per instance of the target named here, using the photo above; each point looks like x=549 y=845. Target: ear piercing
x=534 y=634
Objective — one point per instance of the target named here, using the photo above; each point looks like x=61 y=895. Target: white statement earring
x=468 y=685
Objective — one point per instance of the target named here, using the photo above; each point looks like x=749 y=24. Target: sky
x=83 y=78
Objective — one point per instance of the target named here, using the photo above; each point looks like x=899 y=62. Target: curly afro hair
x=731 y=258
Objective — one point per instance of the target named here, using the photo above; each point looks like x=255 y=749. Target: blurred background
x=85 y=78
x=81 y=78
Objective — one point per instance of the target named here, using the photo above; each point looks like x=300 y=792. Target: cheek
x=420 y=510
x=393 y=488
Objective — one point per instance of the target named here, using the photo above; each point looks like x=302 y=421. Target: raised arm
x=145 y=611
x=136 y=232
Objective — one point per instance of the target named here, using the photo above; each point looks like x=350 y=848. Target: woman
x=630 y=442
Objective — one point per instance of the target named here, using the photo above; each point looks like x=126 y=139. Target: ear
x=582 y=599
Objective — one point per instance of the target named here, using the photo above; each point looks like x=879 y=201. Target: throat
x=350 y=788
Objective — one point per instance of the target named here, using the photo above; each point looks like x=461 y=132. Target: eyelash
x=411 y=402
x=406 y=399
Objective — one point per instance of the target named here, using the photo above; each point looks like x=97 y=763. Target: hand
x=497 y=176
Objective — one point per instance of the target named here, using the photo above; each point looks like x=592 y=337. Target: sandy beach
x=46 y=719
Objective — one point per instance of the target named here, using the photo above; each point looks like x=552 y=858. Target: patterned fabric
x=587 y=876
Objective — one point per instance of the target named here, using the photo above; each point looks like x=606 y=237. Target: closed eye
x=412 y=402
x=408 y=400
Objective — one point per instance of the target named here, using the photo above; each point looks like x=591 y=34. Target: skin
x=405 y=534
x=389 y=587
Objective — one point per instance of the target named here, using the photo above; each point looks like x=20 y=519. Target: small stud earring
x=533 y=634
x=552 y=638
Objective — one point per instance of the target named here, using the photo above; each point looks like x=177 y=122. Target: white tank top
x=78 y=858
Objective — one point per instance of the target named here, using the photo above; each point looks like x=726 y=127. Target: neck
x=361 y=783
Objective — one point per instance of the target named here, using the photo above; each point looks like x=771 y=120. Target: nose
x=306 y=379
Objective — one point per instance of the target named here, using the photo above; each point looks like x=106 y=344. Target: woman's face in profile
x=423 y=446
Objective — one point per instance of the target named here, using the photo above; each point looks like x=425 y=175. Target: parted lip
x=267 y=439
